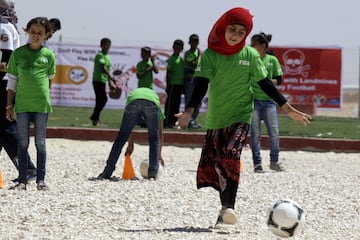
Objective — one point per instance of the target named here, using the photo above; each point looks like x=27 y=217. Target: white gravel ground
x=326 y=185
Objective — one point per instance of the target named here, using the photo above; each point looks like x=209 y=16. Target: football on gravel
x=285 y=218
x=144 y=166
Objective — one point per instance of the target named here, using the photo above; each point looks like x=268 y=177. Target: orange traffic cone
x=241 y=166
x=1 y=179
x=128 y=173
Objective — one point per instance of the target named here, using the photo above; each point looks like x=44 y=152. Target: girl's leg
x=23 y=120
x=100 y=99
x=151 y=112
x=228 y=196
x=130 y=118
x=40 y=125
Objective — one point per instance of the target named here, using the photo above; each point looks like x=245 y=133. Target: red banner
x=311 y=75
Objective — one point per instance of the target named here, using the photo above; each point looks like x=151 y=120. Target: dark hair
x=105 y=40
x=262 y=38
x=179 y=42
x=56 y=23
x=194 y=37
x=43 y=21
x=146 y=49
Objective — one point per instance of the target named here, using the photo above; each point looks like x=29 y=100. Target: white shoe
x=228 y=216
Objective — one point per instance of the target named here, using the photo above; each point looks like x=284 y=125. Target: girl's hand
x=297 y=115
x=10 y=113
x=183 y=120
x=300 y=117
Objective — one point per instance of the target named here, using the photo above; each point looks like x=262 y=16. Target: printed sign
x=72 y=85
x=311 y=75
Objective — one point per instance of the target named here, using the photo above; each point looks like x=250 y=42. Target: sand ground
x=324 y=184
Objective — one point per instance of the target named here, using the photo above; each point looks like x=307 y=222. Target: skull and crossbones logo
x=294 y=63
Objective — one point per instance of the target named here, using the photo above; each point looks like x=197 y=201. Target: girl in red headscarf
x=229 y=67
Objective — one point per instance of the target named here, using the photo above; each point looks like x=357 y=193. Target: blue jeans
x=40 y=124
x=266 y=111
x=138 y=110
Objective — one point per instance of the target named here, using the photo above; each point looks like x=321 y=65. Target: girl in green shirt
x=229 y=68
x=265 y=108
x=145 y=69
x=30 y=69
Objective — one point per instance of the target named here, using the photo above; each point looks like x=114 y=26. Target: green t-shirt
x=98 y=74
x=230 y=99
x=147 y=78
x=273 y=68
x=146 y=94
x=32 y=68
x=175 y=68
x=190 y=56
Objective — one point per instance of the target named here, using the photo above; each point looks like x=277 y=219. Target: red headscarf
x=216 y=40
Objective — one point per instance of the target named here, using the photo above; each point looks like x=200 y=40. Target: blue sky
x=158 y=22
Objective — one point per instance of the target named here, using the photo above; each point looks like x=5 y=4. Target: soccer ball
x=285 y=218
x=144 y=166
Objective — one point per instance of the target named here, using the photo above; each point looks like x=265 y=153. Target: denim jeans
x=40 y=124
x=266 y=111
x=136 y=111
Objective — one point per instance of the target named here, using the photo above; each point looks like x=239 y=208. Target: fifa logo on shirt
x=244 y=62
x=43 y=60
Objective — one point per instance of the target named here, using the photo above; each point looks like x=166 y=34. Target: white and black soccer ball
x=144 y=166
x=285 y=218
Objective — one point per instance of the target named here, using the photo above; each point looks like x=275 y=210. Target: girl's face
x=37 y=34
x=177 y=49
x=145 y=55
x=105 y=46
x=234 y=34
x=258 y=46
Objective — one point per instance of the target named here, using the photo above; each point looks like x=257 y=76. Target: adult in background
x=9 y=40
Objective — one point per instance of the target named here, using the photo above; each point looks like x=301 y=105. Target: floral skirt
x=220 y=156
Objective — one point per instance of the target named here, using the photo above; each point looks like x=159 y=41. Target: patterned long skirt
x=220 y=156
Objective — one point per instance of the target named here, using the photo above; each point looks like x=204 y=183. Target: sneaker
x=41 y=186
x=276 y=166
x=96 y=123
x=19 y=186
x=194 y=125
x=258 y=169
x=29 y=178
x=228 y=216
x=225 y=217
